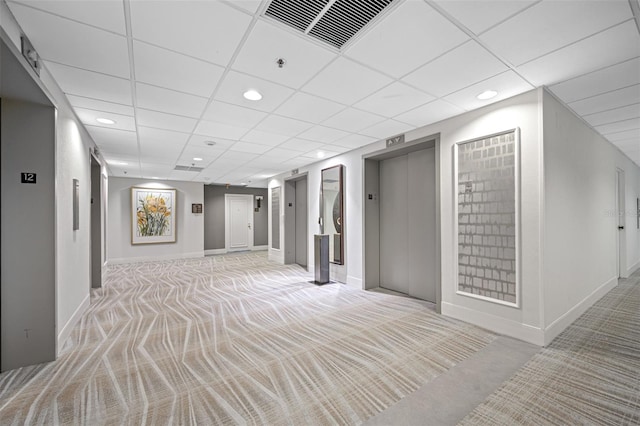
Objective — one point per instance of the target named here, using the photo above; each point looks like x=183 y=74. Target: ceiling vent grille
x=189 y=168
x=333 y=21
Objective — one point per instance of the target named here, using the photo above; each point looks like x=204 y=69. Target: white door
x=238 y=222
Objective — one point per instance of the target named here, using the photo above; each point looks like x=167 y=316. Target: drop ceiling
x=171 y=74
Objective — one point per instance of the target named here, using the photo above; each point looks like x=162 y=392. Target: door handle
x=620 y=227
x=249 y=225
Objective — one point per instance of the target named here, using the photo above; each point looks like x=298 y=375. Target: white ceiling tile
x=219 y=130
x=268 y=42
x=237 y=156
x=235 y=84
x=354 y=141
x=387 y=129
x=182 y=175
x=188 y=161
x=250 y=6
x=301 y=145
x=252 y=148
x=70 y=43
x=207 y=153
x=610 y=78
x=309 y=108
x=323 y=134
x=269 y=162
x=89 y=84
x=283 y=125
x=199 y=141
x=459 y=68
x=507 y=84
x=394 y=99
x=430 y=113
x=122 y=122
x=481 y=15
x=264 y=138
x=408 y=37
x=352 y=120
x=341 y=149
x=161 y=170
x=98 y=105
x=161 y=140
x=606 y=101
x=105 y=14
x=114 y=141
x=619 y=126
x=165 y=121
x=127 y=171
x=578 y=58
x=283 y=154
x=298 y=162
x=319 y=154
x=624 y=136
x=550 y=25
x=617 y=114
x=208 y=30
x=221 y=112
x=119 y=160
x=172 y=102
x=344 y=81
x=164 y=68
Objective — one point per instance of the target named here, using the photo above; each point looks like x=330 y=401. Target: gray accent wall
x=214 y=213
x=28 y=287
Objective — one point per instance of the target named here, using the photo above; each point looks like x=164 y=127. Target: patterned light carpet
x=589 y=375
x=235 y=339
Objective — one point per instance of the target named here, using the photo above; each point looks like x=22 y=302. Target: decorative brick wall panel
x=486 y=196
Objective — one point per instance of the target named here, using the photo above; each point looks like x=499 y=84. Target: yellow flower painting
x=153 y=219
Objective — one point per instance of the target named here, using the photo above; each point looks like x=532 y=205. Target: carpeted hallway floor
x=236 y=339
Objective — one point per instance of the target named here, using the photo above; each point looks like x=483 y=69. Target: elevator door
x=408 y=224
x=301 y=222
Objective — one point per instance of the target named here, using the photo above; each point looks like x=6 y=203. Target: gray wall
x=28 y=303
x=214 y=215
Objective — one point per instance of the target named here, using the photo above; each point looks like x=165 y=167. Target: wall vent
x=333 y=21
x=189 y=168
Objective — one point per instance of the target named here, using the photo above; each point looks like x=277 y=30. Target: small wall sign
x=26 y=177
x=196 y=208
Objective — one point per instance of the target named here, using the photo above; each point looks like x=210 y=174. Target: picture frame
x=153 y=215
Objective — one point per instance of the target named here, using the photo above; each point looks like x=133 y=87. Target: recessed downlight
x=252 y=95
x=105 y=120
x=320 y=154
x=487 y=94
x=117 y=163
x=197 y=159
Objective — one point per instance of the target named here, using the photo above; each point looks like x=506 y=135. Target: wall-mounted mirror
x=332 y=211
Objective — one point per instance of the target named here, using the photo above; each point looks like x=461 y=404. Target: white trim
x=355 y=282
x=122 y=260
x=211 y=252
x=560 y=324
x=633 y=268
x=518 y=230
x=501 y=325
x=248 y=198
x=75 y=318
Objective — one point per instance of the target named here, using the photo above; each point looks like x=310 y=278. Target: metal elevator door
x=301 y=222
x=408 y=224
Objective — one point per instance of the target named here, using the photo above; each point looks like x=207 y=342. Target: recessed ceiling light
x=197 y=159
x=155 y=177
x=320 y=154
x=243 y=183
x=117 y=163
x=105 y=120
x=252 y=95
x=487 y=94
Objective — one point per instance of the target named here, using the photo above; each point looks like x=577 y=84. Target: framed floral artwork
x=153 y=215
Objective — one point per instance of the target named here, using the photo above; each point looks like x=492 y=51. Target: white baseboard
x=560 y=324
x=494 y=323
x=66 y=330
x=259 y=248
x=212 y=252
x=355 y=282
x=633 y=268
x=156 y=258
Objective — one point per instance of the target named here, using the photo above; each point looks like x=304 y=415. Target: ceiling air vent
x=333 y=21
x=189 y=168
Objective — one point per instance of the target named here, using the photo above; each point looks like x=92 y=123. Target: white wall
x=189 y=231
x=72 y=162
x=523 y=111
x=580 y=244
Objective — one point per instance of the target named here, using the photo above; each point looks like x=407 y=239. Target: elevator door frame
x=291 y=228
x=371 y=209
